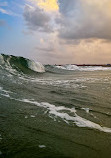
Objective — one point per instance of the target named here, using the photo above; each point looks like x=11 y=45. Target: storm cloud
x=72 y=31
x=37 y=19
x=77 y=20
x=84 y=19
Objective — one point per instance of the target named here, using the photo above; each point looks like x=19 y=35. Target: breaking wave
x=82 y=68
x=20 y=64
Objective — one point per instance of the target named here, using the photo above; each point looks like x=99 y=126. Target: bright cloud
x=3 y=11
x=62 y=31
x=47 y=5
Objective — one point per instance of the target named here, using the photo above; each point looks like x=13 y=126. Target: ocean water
x=54 y=111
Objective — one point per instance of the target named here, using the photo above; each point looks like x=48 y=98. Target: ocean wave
x=59 y=83
x=20 y=64
x=66 y=114
x=82 y=68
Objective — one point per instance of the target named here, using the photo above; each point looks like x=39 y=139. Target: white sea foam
x=68 y=67
x=42 y=146
x=1 y=59
x=86 y=109
x=5 y=93
x=10 y=69
x=59 y=83
x=0 y=153
x=0 y=137
x=26 y=117
x=32 y=116
x=36 y=66
x=84 y=68
x=7 y=64
x=67 y=115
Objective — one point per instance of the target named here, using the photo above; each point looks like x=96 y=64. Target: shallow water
x=56 y=114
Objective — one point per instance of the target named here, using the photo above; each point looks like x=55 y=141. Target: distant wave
x=20 y=64
x=82 y=68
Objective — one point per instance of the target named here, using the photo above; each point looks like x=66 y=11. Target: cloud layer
x=75 y=31
x=47 y=5
x=57 y=31
x=85 y=19
x=37 y=19
x=78 y=19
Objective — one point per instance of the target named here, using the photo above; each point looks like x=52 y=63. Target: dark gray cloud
x=78 y=20
x=67 y=8
x=83 y=20
x=37 y=19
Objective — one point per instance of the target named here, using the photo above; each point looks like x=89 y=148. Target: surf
x=81 y=68
x=20 y=64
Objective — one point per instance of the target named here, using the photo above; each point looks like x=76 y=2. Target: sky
x=57 y=31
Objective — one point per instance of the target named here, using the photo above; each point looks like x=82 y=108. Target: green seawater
x=56 y=114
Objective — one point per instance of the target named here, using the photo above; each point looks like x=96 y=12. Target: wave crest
x=21 y=64
x=83 y=68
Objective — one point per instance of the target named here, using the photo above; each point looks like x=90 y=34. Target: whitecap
x=42 y=146
x=1 y=60
x=32 y=116
x=86 y=109
x=36 y=66
x=83 y=68
x=26 y=117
